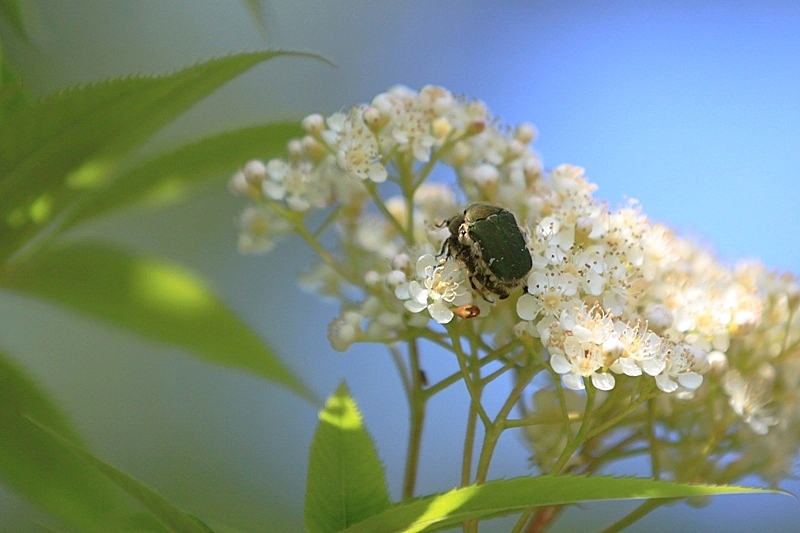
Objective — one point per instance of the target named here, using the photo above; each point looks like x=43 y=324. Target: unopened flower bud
x=484 y=174
x=475 y=127
x=612 y=350
x=515 y=148
x=525 y=133
x=401 y=262
x=395 y=278
x=237 y=184
x=659 y=317
x=371 y=278
x=296 y=149
x=373 y=119
x=313 y=124
x=313 y=148
x=255 y=171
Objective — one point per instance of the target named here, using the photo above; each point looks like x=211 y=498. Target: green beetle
x=489 y=242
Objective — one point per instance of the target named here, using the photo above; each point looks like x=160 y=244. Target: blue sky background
x=692 y=108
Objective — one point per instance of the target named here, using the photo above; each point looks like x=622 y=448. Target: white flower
x=641 y=351
x=345 y=330
x=749 y=398
x=439 y=286
x=358 y=152
x=297 y=183
x=579 y=360
x=258 y=227
x=409 y=125
x=549 y=293
x=586 y=349
x=680 y=364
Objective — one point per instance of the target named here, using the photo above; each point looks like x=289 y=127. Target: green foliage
x=346 y=482
x=508 y=496
x=47 y=474
x=158 y=300
x=169 y=177
x=64 y=161
x=170 y=516
x=11 y=14
x=54 y=149
x=346 y=490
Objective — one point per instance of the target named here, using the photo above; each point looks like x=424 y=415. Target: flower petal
x=528 y=307
x=560 y=363
x=440 y=312
x=603 y=380
x=690 y=380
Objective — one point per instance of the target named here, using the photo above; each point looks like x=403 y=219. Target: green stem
x=474 y=389
x=581 y=436
x=655 y=461
x=312 y=241
x=332 y=216
x=405 y=375
x=611 y=422
x=417 y=402
x=469 y=447
x=499 y=424
x=376 y=199
x=637 y=514
x=456 y=376
x=519 y=525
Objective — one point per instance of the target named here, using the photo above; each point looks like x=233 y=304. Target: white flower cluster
x=611 y=297
x=590 y=344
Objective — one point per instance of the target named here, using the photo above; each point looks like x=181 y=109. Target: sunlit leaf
x=170 y=516
x=158 y=300
x=346 y=482
x=61 y=145
x=172 y=176
x=44 y=473
x=504 y=497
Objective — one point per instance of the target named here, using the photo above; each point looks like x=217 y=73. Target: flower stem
x=499 y=424
x=416 y=402
x=637 y=514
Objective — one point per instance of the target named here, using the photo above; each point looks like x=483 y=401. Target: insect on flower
x=489 y=242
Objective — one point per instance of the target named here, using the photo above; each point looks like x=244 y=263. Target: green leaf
x=53 y=149
x=256 y=11
x=158 y=300
x=11 y=14
x=346 y=482
x=504 y=497
x=171 y=176
x=44 y=473
x=167 y=514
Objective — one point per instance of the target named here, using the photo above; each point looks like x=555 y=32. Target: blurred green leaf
x=11 y=14
x=256 y=10
x=44 y=473
x=158 y=300
x=53 y=149
x=170 y=516
x=346 y=482
x=508 y=496
x=171 y=176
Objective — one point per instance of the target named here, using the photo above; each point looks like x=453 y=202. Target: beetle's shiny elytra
x=489 y=242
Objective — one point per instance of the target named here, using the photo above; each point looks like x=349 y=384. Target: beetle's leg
x=445 y=248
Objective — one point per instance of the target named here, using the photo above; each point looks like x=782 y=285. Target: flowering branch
x=620 y=337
